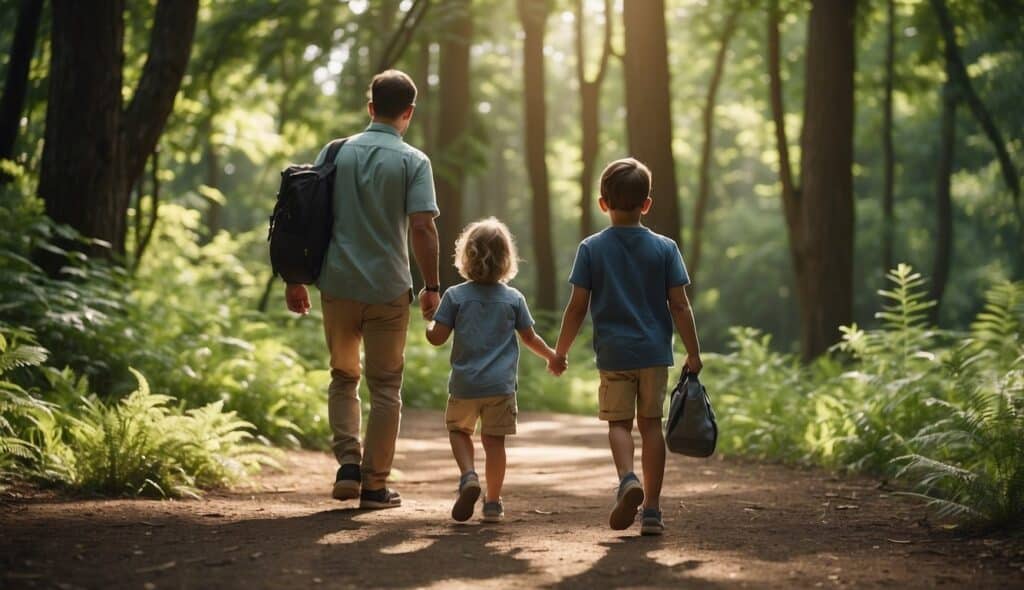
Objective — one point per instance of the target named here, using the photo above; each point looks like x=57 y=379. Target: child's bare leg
x=462 y=449
x=494 y=448
x=652 y=458
x=620 y=439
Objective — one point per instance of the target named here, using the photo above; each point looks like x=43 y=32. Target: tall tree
x=22 y=47
x=452 y=127
x=95 y=149
x=943 y=195
x=590 y=102
x=888 y=164
x=704 y=173
x=648 y=107
x=819 y=214
x=534 y=15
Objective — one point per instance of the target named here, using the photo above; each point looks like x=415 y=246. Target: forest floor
x=730 y=523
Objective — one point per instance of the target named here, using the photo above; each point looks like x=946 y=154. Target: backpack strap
x=333 y=148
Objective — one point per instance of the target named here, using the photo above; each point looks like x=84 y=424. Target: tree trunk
x=13 y=101
x=534 y=14
x=704 y=175
x=957 y=72
x=943 y=196
x=82 y=167
x=826 y=149
x=888 y=167
x=648 y=108
x=94 y=152
x=453 y=123
x=590 y=102
x=819 y=214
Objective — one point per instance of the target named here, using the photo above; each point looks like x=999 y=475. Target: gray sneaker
x=629 y=498
x=494 y=511
x=651 y=522
x=469 y=491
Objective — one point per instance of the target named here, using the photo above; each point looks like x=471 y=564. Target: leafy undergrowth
x=941 y=411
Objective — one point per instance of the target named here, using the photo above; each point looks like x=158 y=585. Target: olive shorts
x=497 y=414
x=637 y=392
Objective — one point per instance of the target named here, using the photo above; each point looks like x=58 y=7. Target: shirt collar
x=383 y=128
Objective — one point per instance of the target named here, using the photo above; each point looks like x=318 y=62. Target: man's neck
x=388 y=122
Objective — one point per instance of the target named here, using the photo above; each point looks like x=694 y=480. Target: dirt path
x=730 y=524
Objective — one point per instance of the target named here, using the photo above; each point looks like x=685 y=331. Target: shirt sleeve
x=580 y=275
x=419 y=192
x=447 y=310
x=523 y=318
x=675 y=271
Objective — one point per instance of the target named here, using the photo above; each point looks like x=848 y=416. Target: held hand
x=297 y=298
x=693 y=363
x=557 y=364
x=429 y=301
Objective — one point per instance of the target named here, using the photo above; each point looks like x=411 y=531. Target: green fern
x=999 y=328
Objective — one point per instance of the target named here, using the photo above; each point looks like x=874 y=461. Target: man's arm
x=572 y=320
x=296 y=297
x=682 y=317
x=425 y=248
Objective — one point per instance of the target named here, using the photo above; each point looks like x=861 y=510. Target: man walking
x=383 y=199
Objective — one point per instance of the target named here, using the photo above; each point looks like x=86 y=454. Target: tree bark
x=704 y=174
x=648 y=108
x=82 y=166
x=590 y=103
x=453 y=123
x=819 y=214
x=826 y=149
x=888 y=164
x=16 y=85
x=95 y=151
x=943 y=194
x=534 y=14
x=958 y=73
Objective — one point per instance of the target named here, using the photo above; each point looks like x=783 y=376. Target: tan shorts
x=497 y=414
x=637 y=392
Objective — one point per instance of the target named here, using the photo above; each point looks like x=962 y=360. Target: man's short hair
x=392 y=92
x=625 y=184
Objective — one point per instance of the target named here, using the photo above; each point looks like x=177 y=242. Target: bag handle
x=333 y=148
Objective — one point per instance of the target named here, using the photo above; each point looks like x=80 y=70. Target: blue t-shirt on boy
x=628 y=271
x=485 y=351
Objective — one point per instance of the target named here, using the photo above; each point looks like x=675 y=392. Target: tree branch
x=170 y=45
x=790 y=192
x=403 y=34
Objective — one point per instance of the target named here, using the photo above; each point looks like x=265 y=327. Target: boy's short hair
x=486 y=252
x=625 y=184
x=392 y=92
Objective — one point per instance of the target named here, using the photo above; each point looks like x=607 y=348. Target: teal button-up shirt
x=380 y=181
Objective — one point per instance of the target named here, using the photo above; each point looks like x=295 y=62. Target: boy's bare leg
x=620 y=439
x=494 y=448
x=652 y=458
x=462 y=449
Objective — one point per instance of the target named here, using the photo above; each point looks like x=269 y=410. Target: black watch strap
x=434 y=289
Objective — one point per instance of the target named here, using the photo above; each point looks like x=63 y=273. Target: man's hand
x=429 y=301
x=297 y=298
x=693 y=363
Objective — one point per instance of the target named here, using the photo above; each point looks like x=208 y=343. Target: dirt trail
x=730 y=523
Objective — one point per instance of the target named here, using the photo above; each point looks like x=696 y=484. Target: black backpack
x=300 y=227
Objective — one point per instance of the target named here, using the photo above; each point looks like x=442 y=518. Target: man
x=383 y=199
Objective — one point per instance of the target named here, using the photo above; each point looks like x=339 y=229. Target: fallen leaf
x=847 y=507
x=152 y=524
x=230 y=549
x=900 y=541
x=157 y=568
x=544 y=512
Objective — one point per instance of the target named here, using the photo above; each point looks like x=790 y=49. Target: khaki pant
x=637 y=392
x=497 y=414
x=382 y=329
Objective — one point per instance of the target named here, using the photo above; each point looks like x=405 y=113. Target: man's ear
x=601 y=202
x=648 y=202
x=408 y=112
x=370 y=109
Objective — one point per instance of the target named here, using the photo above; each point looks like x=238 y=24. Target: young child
x=633 y=280
x=485 y=314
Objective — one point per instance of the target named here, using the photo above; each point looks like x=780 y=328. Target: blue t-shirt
x=485 y=353
x=628 y=271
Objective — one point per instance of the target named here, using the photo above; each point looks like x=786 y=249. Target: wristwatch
x=434 y=289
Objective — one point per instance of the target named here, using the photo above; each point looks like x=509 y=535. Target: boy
x=633 y=280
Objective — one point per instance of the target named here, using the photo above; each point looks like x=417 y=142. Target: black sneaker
x=377 y=499
x=347 y=482
x=469 y=491
x=629 y=498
